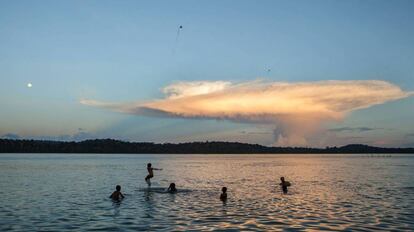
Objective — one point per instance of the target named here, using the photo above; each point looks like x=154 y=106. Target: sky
x=278 y=73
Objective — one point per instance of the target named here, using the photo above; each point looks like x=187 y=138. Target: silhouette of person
x=117 y=195
x=171 y=188
x=223 y=195
x=284 y=184
x=150 y=173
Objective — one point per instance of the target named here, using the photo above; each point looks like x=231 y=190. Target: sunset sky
x=307 y=73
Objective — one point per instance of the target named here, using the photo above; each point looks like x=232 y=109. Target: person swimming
x=171 y=188
x=284 y=184
x=223 y=195
x=150 y=173
x=117 y=195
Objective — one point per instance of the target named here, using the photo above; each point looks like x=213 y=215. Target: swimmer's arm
x=112 y=195
x=122 y=195
x=158 y=169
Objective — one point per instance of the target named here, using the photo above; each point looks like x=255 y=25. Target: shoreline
x=111 y=146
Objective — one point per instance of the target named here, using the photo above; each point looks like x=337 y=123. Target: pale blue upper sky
x=127 y=51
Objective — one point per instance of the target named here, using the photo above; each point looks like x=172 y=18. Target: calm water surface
x=62 y=192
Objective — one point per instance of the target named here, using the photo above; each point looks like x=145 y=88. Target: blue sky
x=121 y=51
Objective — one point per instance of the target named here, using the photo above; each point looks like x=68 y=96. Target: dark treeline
x=116 y=146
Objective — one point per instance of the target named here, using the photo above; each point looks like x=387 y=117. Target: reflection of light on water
x=327 y=192
x=116 y=205
x=323 y=194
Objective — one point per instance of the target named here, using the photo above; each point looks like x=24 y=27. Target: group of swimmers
x=117 y=195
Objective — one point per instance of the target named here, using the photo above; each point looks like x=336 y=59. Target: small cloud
x=61 y=137
x=354 y=129
x=354 y=137
x=79 y=136
x=11 y=136
x=256 y=132
x=408 y=145
x=82 y=136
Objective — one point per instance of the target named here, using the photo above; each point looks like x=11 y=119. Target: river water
x=65 y=192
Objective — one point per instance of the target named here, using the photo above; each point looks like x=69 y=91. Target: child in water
x=172 y=188
x=284 y=184
x=223 y=195
x=117 y=195
x=150 y=173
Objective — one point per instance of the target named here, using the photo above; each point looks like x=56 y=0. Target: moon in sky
x=29 y=85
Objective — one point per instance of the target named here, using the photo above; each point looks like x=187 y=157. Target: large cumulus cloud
x=295 y=110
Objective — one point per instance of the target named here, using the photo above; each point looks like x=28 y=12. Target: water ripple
x=329 y=192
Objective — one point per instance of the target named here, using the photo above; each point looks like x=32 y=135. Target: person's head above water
x=118 y=188
x=282 y=179
x=172 y=187
x=149 y=165
x=224 y=189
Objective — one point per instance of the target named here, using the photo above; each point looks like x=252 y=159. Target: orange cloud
x=294 y=109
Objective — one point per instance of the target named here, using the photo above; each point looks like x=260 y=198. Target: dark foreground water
x=62 y=192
